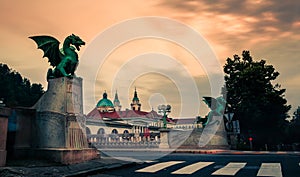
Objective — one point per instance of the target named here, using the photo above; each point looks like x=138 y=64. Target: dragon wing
x=211 y=102
x=50 y=47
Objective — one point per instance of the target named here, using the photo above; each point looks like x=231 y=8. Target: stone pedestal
x=164 y=139
x=59 y=125
x=60 y=122
x=4 y=113
x=214 y=135
x=64 y=95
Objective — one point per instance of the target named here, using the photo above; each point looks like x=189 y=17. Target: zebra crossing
x=230 y=169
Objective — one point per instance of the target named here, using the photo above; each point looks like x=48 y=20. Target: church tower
x=135 y=105
x=117 y=103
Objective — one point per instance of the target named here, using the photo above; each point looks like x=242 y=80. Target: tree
x=296 y=114
x=16 y=90
x=259 y=105
x=294 y=127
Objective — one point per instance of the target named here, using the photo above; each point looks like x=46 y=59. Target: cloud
x=268 y=28
x=243 y=19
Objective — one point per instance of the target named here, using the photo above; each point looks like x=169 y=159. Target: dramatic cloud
x=270 y=29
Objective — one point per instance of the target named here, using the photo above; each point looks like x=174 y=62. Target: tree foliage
x=16 y=90
x=258 y=104
x=294 y=127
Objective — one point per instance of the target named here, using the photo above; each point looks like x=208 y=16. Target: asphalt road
x=217 y=165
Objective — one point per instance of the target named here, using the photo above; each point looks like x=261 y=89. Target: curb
x=99 y=169
x=201 y=152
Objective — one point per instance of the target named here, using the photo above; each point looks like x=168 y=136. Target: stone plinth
x=4 y=113
x=64 y=95
x=56 y=129
x=49 y=130
x=59 y=121
x=213 y=136
x=164 y=139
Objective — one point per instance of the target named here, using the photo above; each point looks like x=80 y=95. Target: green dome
x=104 y=102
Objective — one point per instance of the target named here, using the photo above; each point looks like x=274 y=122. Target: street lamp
x=165 y=110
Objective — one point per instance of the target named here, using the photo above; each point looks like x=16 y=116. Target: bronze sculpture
x=63 y=60
x=216 y=106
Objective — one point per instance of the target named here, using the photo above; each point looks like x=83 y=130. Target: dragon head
x=76 y=41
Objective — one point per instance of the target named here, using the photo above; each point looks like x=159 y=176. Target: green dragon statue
x=217 y=107
x=63 y=60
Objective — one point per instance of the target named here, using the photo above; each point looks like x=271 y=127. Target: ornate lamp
x=165 y=110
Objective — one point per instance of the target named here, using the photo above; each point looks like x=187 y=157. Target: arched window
x=126 y=135
x=114 y=131
x=88 y=131
x=101 y=131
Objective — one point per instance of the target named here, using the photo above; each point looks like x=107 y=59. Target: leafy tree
x=296 y=114
x=17 y=91
x=259 y=105
x=294 y=127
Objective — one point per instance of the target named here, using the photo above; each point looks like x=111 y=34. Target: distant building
x=108 y=122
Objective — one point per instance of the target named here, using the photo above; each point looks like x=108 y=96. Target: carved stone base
x=213 y=136
x=55 y=126
x=56 y=130
x=164 y=139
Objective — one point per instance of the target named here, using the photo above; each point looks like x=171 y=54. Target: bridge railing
x=128 y=140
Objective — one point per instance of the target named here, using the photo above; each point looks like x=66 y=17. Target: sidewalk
x=27 y=168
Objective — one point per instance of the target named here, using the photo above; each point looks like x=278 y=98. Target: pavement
x=34 y=168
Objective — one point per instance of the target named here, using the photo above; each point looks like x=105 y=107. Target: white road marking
x=156 y=167
x=230 y=169
x=192 y=168
x=270 y=169
x=128 y=159
x=150 y=161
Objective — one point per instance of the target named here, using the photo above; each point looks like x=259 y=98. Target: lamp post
x=165 y=110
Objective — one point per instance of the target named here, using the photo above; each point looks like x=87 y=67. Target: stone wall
x=4 y=113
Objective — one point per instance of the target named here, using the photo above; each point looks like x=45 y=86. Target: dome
x=104 y=102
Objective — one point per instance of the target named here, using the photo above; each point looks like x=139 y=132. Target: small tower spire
x=135 y=105
x=117 y=103
x=135 y=97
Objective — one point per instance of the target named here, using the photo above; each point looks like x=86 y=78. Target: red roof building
x=107 y=111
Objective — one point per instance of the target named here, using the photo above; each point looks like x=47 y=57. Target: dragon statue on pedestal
x=63 y=60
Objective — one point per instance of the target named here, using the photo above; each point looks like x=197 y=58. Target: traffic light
x=250 y=142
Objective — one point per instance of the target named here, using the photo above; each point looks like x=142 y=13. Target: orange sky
x=269 y=29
